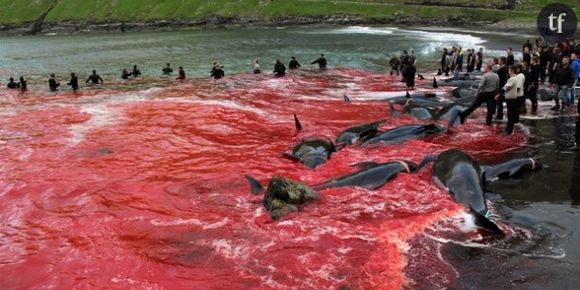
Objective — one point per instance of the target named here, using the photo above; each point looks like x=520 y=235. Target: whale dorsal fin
x=297 y=123
x=346 y=98
x=435 y=83
x=408 y=96
x=255 y=185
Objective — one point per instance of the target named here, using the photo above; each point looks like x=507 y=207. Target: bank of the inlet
x=70 y=16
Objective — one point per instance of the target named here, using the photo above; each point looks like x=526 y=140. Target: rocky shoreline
x=38 y=27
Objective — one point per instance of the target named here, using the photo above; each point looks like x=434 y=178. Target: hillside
x=15 y=13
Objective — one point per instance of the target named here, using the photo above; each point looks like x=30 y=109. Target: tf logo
x=557 y=22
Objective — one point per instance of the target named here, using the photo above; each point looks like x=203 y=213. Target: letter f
x=560 y=20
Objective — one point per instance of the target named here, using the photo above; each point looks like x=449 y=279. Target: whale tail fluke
x=346 y=98
x=255 y=185
x=297 y=123
x=485 y=223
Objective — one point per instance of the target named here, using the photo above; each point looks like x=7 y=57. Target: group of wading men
x=506 y=81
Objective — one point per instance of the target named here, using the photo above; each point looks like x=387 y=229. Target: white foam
x=192 y=221
x=101 y=115
x=365 y=30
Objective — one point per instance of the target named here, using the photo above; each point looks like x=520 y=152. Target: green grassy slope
x=18 y=11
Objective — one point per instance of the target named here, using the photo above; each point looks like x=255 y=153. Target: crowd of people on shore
x=505 y=80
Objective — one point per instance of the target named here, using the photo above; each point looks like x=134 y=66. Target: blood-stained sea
x=141 y=186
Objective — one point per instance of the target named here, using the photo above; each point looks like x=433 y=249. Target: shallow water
x=140 y=184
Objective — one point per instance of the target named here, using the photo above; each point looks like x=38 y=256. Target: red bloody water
x=145 y=189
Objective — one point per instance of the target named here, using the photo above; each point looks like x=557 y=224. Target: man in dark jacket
x=563 y=78
x=74 y=82
x=502 y=73
x=321 y=61
x=294 y=64
x=279 y=68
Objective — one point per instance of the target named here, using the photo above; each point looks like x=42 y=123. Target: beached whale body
x=461 y=176
x=362 y=132
x=510 y=168
x=312 y=152
x=371 y=176
x=400 y=134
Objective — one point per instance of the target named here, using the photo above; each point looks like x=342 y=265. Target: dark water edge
x=234 y=22
x=546 y=204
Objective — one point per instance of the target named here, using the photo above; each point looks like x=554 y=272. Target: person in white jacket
x=511 y=94
x=521 y=101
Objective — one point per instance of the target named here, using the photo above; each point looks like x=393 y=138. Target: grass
x=19 y=11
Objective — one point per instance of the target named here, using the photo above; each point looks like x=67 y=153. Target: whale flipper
x=297 y=123
x=255 y=185
x=484 y=222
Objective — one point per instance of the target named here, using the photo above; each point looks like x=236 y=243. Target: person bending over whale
x=94 y=78
x=371 y=176
x=53 y=84
x=74 y=82
x=488 y=88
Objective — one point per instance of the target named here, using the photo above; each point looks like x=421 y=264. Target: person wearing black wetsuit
x=293 y=63
x=167 y=70
x=321 y=61
x=410 y=76
x=217 y=72
x=22 y=84
x=503 y=75
x=279 y=68
x=125 y=74
x=74 y=82
x=545 y=57
x=136 y=72
x=94 y=78
x=181 y=74
x=12 y=84
x=532 y=82
x=53 y=84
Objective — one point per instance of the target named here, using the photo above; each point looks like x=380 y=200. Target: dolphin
x=312 y=152
x=400 y=134
x=510 y=168
x=371 y=176
x=362 y=132
x=462 y=177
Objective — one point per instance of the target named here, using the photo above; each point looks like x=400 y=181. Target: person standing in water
x=53 y=84
x=167 y=70
x=257 y=68
x=321 y=61
x=22 y=84
x=409 y=75
x=503 y=75
x=74 y=82
x=279 y=68
x=94 y=78
x=479 y=59
x=12 y=84
x=293 y=63
x=510 y=93
x=136 y=72
x=125 y=74
x=488 y=88
x=181 y=74
x=217 y=72
x=395 y=62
